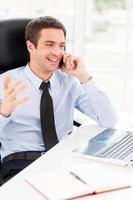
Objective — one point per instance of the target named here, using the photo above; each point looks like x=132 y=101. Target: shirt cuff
x=91 y=87
x=4 y=120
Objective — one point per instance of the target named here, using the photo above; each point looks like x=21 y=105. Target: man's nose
x=57 y=51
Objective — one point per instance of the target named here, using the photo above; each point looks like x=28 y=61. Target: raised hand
x=10 y=100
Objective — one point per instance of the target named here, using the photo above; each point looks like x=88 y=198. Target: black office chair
x=13 y=51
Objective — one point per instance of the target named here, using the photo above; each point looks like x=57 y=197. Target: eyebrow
x=50 y=41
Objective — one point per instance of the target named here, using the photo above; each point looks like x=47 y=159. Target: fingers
x=70 y=61
x=14 y=85
x=22 y=100
x=17 y=91
x=6 y=82
x=13 y=88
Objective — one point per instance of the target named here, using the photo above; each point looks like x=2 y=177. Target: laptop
x=111 y=145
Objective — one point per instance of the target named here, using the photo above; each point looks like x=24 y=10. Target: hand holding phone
x=74 y=66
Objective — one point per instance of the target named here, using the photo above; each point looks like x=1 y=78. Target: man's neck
x=44 y=75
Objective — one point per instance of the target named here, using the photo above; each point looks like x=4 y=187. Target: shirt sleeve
x=3 y=121
x=95 y=104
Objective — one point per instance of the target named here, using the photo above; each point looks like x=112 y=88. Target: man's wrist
x=6 y=116
x=85 y=79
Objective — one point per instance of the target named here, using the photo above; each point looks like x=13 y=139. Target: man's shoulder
x=65 y=77
x=13 y=72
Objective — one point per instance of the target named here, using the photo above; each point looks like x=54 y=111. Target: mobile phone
x=62 y=64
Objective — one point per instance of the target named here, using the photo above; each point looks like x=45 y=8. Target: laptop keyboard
x=120 y=149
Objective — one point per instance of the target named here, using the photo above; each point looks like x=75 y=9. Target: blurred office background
x=101 y=31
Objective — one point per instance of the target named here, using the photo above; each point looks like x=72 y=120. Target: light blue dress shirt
x=22 y=131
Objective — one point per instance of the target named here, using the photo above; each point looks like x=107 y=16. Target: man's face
x=49 y=50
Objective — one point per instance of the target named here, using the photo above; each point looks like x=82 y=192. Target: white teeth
x=52 y=59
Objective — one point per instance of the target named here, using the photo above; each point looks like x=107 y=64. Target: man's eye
x=62 y=46
x=50 y=45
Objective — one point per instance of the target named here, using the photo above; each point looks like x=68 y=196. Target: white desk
x=17 y=188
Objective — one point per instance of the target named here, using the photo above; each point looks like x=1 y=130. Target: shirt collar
x=33 y=78
x=36 y=81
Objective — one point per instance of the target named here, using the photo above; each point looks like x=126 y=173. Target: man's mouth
x=54 y=60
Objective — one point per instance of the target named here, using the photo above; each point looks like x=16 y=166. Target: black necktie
x=47 y=117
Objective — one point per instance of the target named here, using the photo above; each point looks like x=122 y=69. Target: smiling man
x=38 y=100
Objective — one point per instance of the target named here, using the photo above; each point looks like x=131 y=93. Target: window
x=108 y=48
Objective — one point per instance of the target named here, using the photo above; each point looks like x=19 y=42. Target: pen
x=77 y=177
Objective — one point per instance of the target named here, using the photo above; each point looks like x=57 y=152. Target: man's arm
x=92 y=101
x=96 y=104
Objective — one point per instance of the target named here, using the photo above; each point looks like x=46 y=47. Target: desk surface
x=17 y=188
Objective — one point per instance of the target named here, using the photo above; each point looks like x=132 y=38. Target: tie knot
x=45 y=86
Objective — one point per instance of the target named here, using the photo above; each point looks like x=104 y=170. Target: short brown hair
x=34 y=27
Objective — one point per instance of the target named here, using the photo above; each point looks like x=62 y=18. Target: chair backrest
x=13 y=51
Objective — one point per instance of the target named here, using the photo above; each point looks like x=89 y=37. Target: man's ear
x=30 y=46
